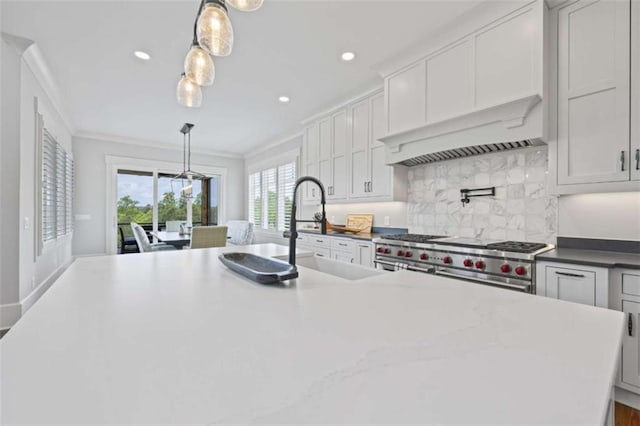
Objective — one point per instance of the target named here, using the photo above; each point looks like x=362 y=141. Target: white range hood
x=476 y=86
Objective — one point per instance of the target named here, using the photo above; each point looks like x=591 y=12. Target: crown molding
x=271 y=145
x=377 y=87
x=152 y=144
x=34 y=59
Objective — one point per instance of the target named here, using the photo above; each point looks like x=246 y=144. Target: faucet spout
x=293 y=232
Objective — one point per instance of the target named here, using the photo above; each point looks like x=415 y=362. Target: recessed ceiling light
x=142 y=55
x=348 y=56
x=284 y=99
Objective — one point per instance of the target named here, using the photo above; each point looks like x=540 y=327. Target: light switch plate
x=386 y=221
x=82 y=217
x=27 y=223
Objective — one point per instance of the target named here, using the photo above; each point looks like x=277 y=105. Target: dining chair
x=127 y=244
x=143 y=240
x=208 y=236
x=240 y=232
x=173 y=225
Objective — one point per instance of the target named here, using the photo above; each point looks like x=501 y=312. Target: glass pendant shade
x=246 y=5
x=214 y=31
x=199 y=67
x=189 y=93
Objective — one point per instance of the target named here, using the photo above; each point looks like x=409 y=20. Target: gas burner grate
x=412 y=238
x=516 y=246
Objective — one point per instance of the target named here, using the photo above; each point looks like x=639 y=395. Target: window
x=56 y=190
x=271 y=196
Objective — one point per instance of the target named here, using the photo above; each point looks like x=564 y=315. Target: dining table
x=174 y=238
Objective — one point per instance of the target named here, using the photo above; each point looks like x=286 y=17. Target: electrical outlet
x=27 y=224
x=386 y=221
x=332 y=219
x=33 y=283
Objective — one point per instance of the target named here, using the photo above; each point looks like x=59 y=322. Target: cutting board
x=364 y=222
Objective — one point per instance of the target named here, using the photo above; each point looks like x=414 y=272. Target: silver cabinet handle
x=365 y=187
x=319 y=241
x=622 y=161
x=637 y=159
x=370 y=190
x=567 y=274
x=630 y=325
x=343 y=244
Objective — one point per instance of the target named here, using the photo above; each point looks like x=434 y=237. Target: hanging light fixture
x=189 y=93
x=212 y=35
x=187 y=176
x=246 y=5
x=214 y=30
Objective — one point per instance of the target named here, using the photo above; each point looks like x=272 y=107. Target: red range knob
x=447 y=260
x=424 y=256
x=521 y=270
x=380 y=250
x=387 y=251
x=408 y=254
x=468 y=263
x=400 y=253
x=480 y=264
x=506 y=268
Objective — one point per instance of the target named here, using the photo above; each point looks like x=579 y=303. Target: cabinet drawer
x=573 y=285
x=322 y=251
x=342 y=244
x=631 y=284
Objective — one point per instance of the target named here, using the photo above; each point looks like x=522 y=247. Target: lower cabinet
x=343 y=249
x=625 y=297
x=573 y=283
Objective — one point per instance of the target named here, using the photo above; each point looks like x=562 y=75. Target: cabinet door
x=359 y=149
x=310 y=166
x=324 y=153
x=339 y=164
x=364 y=254
x=572 y=285
x=630 y=373
x=381 y=174
x=635 y=89
x=407 y=97
x=593 y=92
x=342 y=256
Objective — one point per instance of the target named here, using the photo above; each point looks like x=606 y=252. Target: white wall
x=25 y=273
x=90 y=184
x=337 y=213
x=607 y=216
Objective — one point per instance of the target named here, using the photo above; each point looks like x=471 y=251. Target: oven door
x=388 y=265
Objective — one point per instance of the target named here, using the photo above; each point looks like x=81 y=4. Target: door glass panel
x=135 y=202
x=214 y=195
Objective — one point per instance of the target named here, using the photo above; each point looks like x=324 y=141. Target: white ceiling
x=287 y=48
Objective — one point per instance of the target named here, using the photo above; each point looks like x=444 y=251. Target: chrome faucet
x=292 y=234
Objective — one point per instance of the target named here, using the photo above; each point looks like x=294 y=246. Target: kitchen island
x=176 y=337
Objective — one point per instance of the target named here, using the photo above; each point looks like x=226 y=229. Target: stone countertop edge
x=604 y=259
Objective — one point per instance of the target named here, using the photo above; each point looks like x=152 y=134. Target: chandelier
x=212 y=36
x=185 y=179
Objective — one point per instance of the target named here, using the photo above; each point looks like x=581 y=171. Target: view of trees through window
x=271 y=196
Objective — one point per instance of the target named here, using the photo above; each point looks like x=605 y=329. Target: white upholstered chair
x=173 y=225
x=240 y=232
x=143 y=241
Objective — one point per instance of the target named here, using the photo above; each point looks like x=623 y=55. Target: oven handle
x=522 y=287
x=405 y=266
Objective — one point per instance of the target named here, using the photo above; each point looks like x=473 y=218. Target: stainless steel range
x=508 y=264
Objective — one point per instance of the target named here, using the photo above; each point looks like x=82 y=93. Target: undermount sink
x=347 y=271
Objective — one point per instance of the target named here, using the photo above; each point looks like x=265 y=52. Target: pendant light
x=214 y=30
x=189 y=93
x=246 y=5
x=212 y=35
x=187 y=176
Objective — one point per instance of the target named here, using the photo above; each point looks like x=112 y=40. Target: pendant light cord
x=195 y=24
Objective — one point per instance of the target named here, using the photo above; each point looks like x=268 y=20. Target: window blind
x=61 y=196
x=271 y=196
x=286 y=185
x=68 y=213
x=48 y=219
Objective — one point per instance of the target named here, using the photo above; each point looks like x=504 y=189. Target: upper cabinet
x=597 y=95
x=350 y=160
x=635 y=90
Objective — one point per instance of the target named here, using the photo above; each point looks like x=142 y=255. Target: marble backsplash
x=521 y=210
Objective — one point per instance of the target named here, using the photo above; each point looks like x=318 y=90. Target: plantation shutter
x=255 y=199
x=61 y=169
x=48 y=219
x=286 y=184
x=69 y=193
x=270 y=199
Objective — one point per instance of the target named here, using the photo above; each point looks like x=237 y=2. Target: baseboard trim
x=37 y=292
x=628 y=398
x=9 y=315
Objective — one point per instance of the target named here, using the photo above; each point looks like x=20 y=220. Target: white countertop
x=175 y=337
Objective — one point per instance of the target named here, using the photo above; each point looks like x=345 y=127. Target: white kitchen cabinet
x=310 y=153
x=574 y=283
x=371 y=178
x=364 y=253
x=325 y=156
x=625 y=297
x=593 y=72
x=406 y=94
x=635 y=90
x=339 y=147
